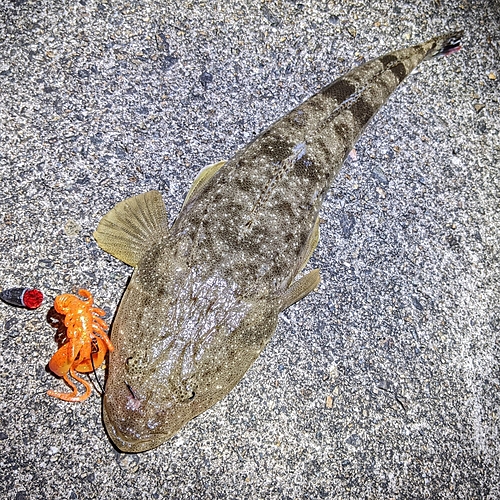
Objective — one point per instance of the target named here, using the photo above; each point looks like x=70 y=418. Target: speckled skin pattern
x=204 y=300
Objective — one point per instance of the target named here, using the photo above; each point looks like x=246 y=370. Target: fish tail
x=445 y=45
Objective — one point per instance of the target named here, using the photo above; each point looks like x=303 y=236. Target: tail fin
x=445 y=45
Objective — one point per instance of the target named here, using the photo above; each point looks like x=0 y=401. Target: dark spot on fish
x=388 y=59
x=140 y=313
x=251 y=247
x=274 y=146
x=249 y=269
x=343 y=135
x=244 y=184
x=297 y=118
x=362 y=111
x=326 y=153
x=303 y=237
x=232 y=209
x=217 y=197
x=196 y=220
x=340 y=89
x=306 y=169
x=285 y=208
x=399 y=71
x=153 y=256
x=279 y=268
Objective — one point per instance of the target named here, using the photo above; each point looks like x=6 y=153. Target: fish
x=206 y=291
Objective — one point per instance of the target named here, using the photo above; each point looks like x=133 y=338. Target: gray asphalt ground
x=384 y=383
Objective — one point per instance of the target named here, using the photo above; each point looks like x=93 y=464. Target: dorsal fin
x=204 y=175
x=132 y=226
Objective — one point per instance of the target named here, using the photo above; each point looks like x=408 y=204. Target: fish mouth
x=126 y=443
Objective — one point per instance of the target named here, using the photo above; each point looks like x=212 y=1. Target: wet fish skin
x=205 y=295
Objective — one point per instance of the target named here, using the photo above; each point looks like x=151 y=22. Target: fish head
x=180 y=346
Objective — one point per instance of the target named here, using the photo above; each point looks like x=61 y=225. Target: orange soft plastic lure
x=85 y=346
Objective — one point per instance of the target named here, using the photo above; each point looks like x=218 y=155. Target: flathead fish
x=206 y=292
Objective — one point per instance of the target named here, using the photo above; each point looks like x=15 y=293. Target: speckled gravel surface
x=382 y=384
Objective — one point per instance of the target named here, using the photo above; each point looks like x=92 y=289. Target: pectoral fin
x=132 y=226
x=299 y=289
x=202 y=178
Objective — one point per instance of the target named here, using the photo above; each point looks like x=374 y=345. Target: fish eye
x=131 y=363
x=137 y=362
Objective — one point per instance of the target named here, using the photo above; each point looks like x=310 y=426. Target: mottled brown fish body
x=205 y=295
